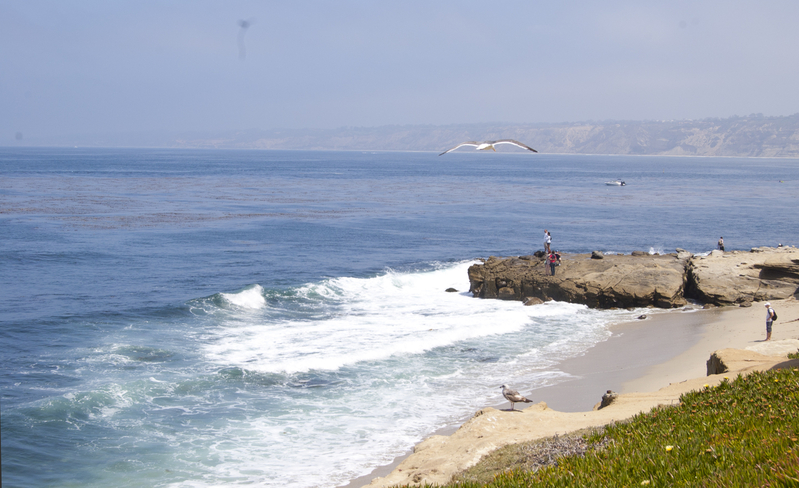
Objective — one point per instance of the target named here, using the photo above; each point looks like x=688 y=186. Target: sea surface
x=197 y=318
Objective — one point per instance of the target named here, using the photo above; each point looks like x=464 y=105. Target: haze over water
x=201 y=318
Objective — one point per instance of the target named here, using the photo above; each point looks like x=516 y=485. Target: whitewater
x=353 y=371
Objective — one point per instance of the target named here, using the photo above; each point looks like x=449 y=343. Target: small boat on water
x=616 y=183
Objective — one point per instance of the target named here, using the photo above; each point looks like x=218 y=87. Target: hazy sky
x=81 y=66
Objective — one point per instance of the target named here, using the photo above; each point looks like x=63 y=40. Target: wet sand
x=641 y=355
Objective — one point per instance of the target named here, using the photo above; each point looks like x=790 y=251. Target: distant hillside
x=753 y=135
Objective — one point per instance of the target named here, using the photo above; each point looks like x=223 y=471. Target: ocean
x=197 y=318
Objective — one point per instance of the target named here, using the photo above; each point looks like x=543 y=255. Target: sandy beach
x=649 y=362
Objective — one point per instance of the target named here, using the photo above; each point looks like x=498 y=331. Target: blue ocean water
x=278 y=318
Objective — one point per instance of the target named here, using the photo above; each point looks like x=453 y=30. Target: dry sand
x=650 y=362
x=733 y=328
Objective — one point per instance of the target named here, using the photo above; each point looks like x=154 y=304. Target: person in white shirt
x=547 y=241
x=769 y=320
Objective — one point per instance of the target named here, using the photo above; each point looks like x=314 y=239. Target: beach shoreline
x=643 y=356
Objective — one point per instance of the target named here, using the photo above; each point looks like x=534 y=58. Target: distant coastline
x=749 y=136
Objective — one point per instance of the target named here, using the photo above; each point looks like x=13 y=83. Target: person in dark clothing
x=553 y=259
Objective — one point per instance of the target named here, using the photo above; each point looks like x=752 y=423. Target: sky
x=84 y=66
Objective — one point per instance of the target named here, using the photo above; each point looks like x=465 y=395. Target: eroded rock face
x=752 y=358
x=615 y=281
x=739 y=278
x=665 y=281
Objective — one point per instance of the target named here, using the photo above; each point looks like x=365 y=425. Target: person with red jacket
x=554 y=260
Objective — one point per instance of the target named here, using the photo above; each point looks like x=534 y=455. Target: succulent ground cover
x=743 y=432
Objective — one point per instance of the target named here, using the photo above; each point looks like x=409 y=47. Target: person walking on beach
x=770 y=314
x=721 y=243
x=547 y=241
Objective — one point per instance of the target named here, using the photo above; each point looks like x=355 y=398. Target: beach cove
x=645 y=362
x=648 y=364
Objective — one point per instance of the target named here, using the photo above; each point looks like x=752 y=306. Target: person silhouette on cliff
x=721 y=243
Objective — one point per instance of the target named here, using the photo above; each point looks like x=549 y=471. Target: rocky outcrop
x=739 y=278
x=641 y=280
x=753 y=358
x=607 y=399
x=615 y=281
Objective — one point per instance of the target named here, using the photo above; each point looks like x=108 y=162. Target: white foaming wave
x=394 y=313
x=252 y=298
x=388 y=285
x=397 y=398
x=246 y=452
x=554 y=309
x=356 y=429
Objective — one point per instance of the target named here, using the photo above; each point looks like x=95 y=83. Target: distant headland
x=754 y=135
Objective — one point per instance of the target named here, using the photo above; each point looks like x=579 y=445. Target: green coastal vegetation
x=743 y=432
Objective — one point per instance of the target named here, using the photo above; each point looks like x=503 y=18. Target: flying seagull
x=484 y=146
x=513 y=396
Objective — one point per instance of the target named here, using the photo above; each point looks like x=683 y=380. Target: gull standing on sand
x=513 y=396
x=484 y=146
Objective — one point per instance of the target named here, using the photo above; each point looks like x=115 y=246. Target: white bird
x=513 y=396
x=484 y=146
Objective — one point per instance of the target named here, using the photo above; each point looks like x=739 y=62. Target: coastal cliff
x=642 y=280
x=748 y=136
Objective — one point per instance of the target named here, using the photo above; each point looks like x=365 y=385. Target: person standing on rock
x=547 y=242
x=769 y=320
x=554 y=260
x=721 y=243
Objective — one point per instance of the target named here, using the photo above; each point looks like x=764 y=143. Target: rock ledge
x=642 y=280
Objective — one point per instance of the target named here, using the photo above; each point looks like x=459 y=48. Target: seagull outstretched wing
x=490 y=145
x=470 y=143
x=515 y=143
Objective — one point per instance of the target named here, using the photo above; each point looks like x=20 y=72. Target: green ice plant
x=743 y=432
